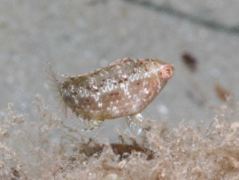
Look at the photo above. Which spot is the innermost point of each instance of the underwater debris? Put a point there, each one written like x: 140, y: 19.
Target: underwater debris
x: 124, y: 88
x: 124, y: 150
x: 93, y: 148
x: 222, y: 93
x: 179, y: 152
x: 190, y: 61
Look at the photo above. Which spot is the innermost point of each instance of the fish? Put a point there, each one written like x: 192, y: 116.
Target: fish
x: 123, y: 88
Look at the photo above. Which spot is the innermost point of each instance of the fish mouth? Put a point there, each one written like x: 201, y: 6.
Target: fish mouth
x: 166, y: 71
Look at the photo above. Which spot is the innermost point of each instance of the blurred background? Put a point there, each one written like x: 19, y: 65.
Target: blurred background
x: 201, y: 39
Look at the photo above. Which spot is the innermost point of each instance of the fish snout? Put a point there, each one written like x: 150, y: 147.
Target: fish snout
x: 166, y: 71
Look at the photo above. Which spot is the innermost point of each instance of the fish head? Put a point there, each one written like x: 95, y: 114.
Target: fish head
x: 166, y: 72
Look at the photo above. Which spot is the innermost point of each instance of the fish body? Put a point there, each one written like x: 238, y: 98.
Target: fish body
x: 123, y: 88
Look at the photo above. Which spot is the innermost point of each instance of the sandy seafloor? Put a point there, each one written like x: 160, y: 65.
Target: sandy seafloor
x: 78, y: 36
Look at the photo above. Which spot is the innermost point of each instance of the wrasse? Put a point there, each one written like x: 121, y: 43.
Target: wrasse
x: 124, y: 88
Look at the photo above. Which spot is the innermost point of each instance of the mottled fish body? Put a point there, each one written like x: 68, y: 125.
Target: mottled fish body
x: 121, y: 89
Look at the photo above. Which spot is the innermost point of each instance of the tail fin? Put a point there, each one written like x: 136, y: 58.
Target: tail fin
x: 53, y: 78
x: 55, y: 84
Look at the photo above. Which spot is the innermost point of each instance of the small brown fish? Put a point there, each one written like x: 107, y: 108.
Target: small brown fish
x: 121, y: 89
